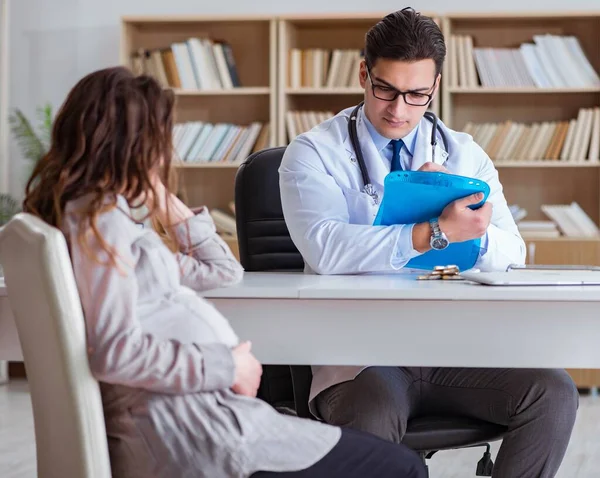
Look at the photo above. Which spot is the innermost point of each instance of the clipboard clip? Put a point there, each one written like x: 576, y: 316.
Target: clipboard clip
x: 545, y: 267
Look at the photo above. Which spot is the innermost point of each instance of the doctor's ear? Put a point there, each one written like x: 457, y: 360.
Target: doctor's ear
x: 436, y: 87
x: 362, y: 73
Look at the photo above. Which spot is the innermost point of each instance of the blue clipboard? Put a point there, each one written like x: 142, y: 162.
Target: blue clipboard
x: 418, y: 196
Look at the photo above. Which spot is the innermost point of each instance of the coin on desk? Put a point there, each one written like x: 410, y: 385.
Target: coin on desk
x: 429, y: 277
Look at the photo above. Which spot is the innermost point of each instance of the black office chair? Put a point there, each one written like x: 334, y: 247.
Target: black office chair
x: 265, y: 245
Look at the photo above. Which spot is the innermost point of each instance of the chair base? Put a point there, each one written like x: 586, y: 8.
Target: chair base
x: 485, y: 466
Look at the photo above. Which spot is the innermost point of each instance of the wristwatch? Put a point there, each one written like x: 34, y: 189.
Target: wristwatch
x: 438, y: 240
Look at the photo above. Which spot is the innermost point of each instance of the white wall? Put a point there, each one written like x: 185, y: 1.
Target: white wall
x: 55, y: 42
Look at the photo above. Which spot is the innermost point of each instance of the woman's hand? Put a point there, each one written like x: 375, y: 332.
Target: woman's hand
x: 160, y: 192
x: 248, y: 371
x: 178, y: 211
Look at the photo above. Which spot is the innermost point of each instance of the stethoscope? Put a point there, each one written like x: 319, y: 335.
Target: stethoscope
x: 353, y: 132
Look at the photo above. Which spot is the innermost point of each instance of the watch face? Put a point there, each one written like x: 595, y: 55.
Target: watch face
x: 439, y: 243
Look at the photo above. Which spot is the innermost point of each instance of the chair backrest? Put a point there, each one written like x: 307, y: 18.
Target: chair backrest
x: 70, y: 431
x: 264, y: 240
x: 265, y: 245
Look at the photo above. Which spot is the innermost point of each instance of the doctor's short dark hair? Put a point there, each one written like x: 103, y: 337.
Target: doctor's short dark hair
x: 405, y: 35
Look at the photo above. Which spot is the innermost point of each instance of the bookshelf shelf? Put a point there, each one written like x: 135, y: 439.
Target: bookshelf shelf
x: 257, y: 90
x: 324, y: 91
x: 545, y: 164
x: 563, y: 239
x: 491, y: 91
x: 180, y: 21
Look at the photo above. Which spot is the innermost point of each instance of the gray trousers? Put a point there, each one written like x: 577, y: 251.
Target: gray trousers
x: 537, y: 406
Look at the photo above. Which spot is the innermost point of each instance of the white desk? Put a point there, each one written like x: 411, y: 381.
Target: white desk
x: 293, y: 318
x: 392, y: 320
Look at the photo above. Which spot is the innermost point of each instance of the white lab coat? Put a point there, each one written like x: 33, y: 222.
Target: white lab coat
x: 330, y: 218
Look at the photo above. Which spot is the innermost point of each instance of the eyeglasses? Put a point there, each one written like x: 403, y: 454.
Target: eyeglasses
x: 389, y: 93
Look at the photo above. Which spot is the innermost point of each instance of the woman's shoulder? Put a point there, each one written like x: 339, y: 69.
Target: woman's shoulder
x: 115, y: 223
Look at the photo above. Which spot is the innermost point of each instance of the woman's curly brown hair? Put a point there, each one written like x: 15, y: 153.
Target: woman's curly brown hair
x: 112, y: 136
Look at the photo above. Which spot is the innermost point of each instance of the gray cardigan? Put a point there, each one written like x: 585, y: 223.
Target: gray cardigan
x: 162, y: 355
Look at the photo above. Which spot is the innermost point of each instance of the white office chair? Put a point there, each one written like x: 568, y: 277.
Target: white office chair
x: 70, y: 432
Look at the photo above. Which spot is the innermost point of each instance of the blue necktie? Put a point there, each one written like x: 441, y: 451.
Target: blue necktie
x: 396, y: 165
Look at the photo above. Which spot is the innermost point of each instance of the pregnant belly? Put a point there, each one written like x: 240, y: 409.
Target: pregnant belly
x: 187, y: 318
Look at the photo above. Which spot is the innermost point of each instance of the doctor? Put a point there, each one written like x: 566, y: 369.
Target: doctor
x: 329, y: 213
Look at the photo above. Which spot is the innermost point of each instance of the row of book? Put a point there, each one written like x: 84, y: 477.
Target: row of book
x: 298, y: 122
x: 198, y: 141
x: 564, y: 220
x: 196, y: 64
x: 225, y: 220
x: 552, y: 61
x: 575, y: 140
x: 318, y: 68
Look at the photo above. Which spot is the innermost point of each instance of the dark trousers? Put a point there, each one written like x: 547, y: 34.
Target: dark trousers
x: 360, y: 455
x: 537, y: 406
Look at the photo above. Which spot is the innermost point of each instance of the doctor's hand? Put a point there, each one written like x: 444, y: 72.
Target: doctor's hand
x: 248, y: 371
x: 433, y: 167
x: 461, y: 223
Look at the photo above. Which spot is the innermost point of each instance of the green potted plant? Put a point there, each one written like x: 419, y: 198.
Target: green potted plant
x: 34, y: 142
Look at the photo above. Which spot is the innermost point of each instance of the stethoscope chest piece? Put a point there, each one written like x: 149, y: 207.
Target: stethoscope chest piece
x: 371, y: 191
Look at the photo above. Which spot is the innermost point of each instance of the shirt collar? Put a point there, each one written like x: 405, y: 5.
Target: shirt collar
x: 381, y: 141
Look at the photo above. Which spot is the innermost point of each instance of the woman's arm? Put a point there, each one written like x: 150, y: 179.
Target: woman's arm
x: 119, y: 350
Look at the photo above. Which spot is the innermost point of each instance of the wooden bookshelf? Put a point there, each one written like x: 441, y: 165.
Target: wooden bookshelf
x: 327, y: 32
x: 261, y: 46
x: 531, y: 183
x: 253, y: 43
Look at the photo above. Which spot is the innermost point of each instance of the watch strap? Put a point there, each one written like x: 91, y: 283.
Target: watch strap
x: 435, y: 227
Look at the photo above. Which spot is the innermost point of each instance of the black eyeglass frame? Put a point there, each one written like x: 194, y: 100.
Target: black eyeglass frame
x: 426, y: 96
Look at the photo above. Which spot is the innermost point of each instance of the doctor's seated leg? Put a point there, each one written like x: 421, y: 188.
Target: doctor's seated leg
x: 379, y: 401
x: 537, y: 406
